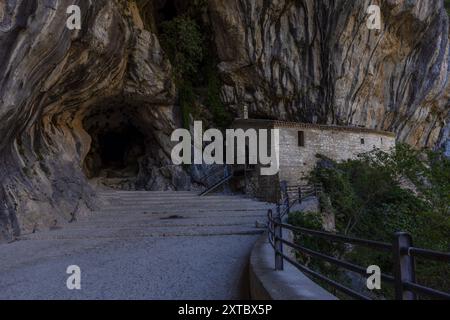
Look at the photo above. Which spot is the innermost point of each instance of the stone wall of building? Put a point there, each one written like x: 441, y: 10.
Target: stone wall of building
x: 297, y: 161
x: 337, y: 143
x: 264, y: 188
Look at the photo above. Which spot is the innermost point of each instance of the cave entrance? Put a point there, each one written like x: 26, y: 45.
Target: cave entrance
x: 120, y: 150
x: 129, y: 146
x: 118, y: 145
x: 168, y: 11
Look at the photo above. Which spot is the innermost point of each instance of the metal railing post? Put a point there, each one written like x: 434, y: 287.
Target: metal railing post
x: 287, y: 204
x: 283, y: 187
x: 300, y: 200
x: 404, y: 266
x: 279, y: 260
x: 226, y: 173
x: 270, y: 224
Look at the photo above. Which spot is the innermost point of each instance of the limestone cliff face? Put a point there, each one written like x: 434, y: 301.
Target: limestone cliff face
x: 65, y: 96
x: 317, y: 60
x: 55, y: 86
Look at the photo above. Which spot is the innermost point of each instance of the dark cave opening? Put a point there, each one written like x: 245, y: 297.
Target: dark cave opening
x: 168, y: 11
x: 120, y: 150
x: 126, y: 146
x: 118, y: 144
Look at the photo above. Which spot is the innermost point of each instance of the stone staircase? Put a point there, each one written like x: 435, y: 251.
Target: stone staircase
x: 141, y: 245
x: 135, y: 214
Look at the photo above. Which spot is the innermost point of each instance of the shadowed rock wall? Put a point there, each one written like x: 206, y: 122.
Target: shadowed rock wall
x: 305, y: 60
x: 314, y: 60
x: 51, y: 81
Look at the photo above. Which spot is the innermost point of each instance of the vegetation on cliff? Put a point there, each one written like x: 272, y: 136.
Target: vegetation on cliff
x: 187, y: 41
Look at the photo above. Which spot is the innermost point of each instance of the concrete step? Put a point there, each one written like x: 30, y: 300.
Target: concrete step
x: 186, y: 206
x: 183, y: 202
x: 109, y: 224
x: 148, y: 209
x: 159, y: 223
x: 188, y: 213
x: 179, y: 198
x: 163, y: 194
x: 149, y: 194
x: 169, y: 219
x: 149, y: 214
x: 196, y: 202
x: 146, y: 192
x: 137, y: 214
x: 147, y: 197
x: 132, y: 233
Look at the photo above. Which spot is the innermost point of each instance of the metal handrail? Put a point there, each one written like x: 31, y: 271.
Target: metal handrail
x: 347, y: 265
x: 216, y: 185
x: 224, y: 174
x: 427, y: 254
x: 404, y: 278
x: 323, y: 278
x: 382, y: 246
x: 204, y: 179
x: 314, y: 190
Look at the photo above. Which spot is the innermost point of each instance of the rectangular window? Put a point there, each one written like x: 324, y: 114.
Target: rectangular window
x: 363, y: 141
x: 301, y: 138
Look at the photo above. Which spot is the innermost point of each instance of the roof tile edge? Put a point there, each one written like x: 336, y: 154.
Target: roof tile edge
x: 287, y: 124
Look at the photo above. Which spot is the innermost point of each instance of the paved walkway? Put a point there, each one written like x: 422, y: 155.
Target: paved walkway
x: 141, y: 245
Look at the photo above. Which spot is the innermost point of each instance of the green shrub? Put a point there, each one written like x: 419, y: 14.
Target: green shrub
x: 191, y: 51
x: 187, y: 102
x: 371, y: 202
x: 213, y: 101
x: 183, y: 42
x: 313, y: 221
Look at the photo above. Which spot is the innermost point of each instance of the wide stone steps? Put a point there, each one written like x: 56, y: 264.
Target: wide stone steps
x: 155, y: 209
x: 142, y: 232
x: 140, y: 245
x: 140, y: 214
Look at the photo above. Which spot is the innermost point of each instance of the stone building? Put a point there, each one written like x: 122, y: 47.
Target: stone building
x: 300, y: 143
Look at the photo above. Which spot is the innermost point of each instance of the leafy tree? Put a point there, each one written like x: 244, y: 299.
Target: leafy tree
x: 183, y: 42
x: 192, y: 54
x: 381, y: 193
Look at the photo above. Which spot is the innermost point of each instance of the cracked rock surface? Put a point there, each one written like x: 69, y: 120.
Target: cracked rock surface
x: 318, y: 61
x: 63, y: 92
